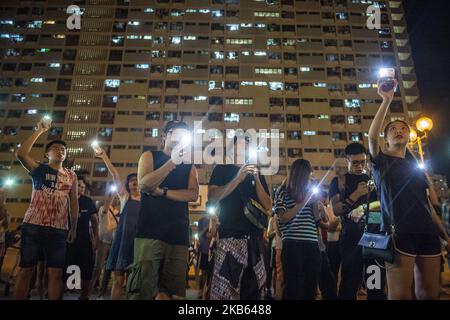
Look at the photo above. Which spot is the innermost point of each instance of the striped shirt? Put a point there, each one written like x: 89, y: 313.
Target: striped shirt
x: 49, y: 204
x: 302, y: 227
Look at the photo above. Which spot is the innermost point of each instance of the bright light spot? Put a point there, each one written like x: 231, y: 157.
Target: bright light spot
x: 196, y: 236
x: 9, y: 182
x: 421, y: 166
x: 113, y: 188
x: 315, y: 190
x: 211, y: 210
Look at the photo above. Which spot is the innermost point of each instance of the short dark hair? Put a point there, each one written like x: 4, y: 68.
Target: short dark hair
x: 175, y: 124
x: 355, y: 148
x: 51, y: 143
x: 82, y: 178
x: 386, y: 128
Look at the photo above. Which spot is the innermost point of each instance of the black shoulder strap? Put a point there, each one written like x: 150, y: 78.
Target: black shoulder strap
x: 114, y: 216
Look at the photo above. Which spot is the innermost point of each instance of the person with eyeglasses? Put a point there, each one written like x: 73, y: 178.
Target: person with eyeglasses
x: 346, y: 201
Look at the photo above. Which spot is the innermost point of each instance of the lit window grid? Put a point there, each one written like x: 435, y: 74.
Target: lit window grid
x: 163, y: 95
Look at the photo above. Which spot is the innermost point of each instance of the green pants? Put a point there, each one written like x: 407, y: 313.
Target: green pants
x: 158, y: 267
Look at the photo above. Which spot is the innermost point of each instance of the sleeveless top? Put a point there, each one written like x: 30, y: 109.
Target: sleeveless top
x: 161, y: 218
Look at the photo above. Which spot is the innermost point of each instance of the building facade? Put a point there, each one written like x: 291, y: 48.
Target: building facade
x: 305, y: 67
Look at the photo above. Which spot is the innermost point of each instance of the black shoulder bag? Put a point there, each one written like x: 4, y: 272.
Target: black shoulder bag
x: 378, y: 246
x: 254, y: 211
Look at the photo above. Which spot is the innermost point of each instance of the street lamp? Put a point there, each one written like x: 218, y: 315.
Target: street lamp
x: 423, y: 124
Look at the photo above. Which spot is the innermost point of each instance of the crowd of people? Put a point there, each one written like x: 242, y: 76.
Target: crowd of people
x: 301, y: 244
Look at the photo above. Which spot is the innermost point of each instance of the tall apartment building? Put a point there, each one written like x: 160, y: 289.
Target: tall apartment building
x: 306, y: 67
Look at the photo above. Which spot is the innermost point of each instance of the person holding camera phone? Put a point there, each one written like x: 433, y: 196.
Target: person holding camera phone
x: 347, y: 202
x: 162, y: 239
x: 406, y: 210
x: 51, y: 219
x: 298, y: 214
x: 239, y: 271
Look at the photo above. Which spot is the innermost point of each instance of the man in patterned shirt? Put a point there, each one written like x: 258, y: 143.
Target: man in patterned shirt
x: 46, y: 227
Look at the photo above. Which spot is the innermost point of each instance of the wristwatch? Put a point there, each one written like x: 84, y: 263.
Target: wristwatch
x: 165, y: 189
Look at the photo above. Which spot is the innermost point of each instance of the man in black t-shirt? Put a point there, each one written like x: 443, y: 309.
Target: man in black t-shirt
x: 82, y: 252
x: 239, y: 271
x: 347, y: 202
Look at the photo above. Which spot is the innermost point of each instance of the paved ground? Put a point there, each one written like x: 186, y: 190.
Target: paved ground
x: 192, y: 292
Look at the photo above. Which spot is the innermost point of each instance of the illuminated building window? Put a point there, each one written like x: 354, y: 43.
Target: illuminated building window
x: 173, y: 69
x: 276, y: 86
x: 232, y: 27
x: 134, y: 23
x: 305, y: 69
x: 270, y: 14
x: 309, y: 133
x: 37, y: 80
x: 232, y: 55
x: 142, y: 66
x: 260, y: 83
x: 37, y: 24
x: 352, y: 103
x: 148, y: 10
x: 200, y: 98
x: 320, y: 85
x: 217, y: 13
x: 6, y: 22
x: 218, y: 55
x: 175, y: 40
x: 231, y: 117
x: 245, y: 101
x: 260, y: 53
x: 268, y: 71
x: 112, y: 83
x: 239, y: 41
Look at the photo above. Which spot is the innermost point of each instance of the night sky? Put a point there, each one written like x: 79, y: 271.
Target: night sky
x: 429, y: 32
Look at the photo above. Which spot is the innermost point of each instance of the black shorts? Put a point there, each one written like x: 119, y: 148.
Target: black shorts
x: 39, y: 243
x: 203, y: 261
x: 410, y: 244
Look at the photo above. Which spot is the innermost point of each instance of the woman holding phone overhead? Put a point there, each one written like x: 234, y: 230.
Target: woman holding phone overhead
x: 122, y: 247
x: 405, y: 208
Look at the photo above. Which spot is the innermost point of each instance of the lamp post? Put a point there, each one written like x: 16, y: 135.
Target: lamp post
x: 423, y: 124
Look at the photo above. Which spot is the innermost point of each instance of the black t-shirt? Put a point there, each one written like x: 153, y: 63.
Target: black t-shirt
x: 402, y: 189
x: 233, y: 222
x: 86, y: 210
x: 161, y: 218
x: 349, y: 227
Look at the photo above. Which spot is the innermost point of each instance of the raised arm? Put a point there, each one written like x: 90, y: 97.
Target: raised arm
x: 23, y: 153
x: 148, y: 178
x: 115, y: 174
x: 377, y: 123
x: 263, y: 196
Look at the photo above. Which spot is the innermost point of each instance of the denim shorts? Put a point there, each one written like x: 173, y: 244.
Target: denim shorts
x: 39, y: 242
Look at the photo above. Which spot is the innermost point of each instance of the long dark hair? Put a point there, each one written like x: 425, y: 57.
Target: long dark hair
x: 298, y: 179
x: 127, y: 182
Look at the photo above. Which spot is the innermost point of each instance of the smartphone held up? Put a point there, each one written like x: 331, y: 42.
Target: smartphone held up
x: 387, y: 79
